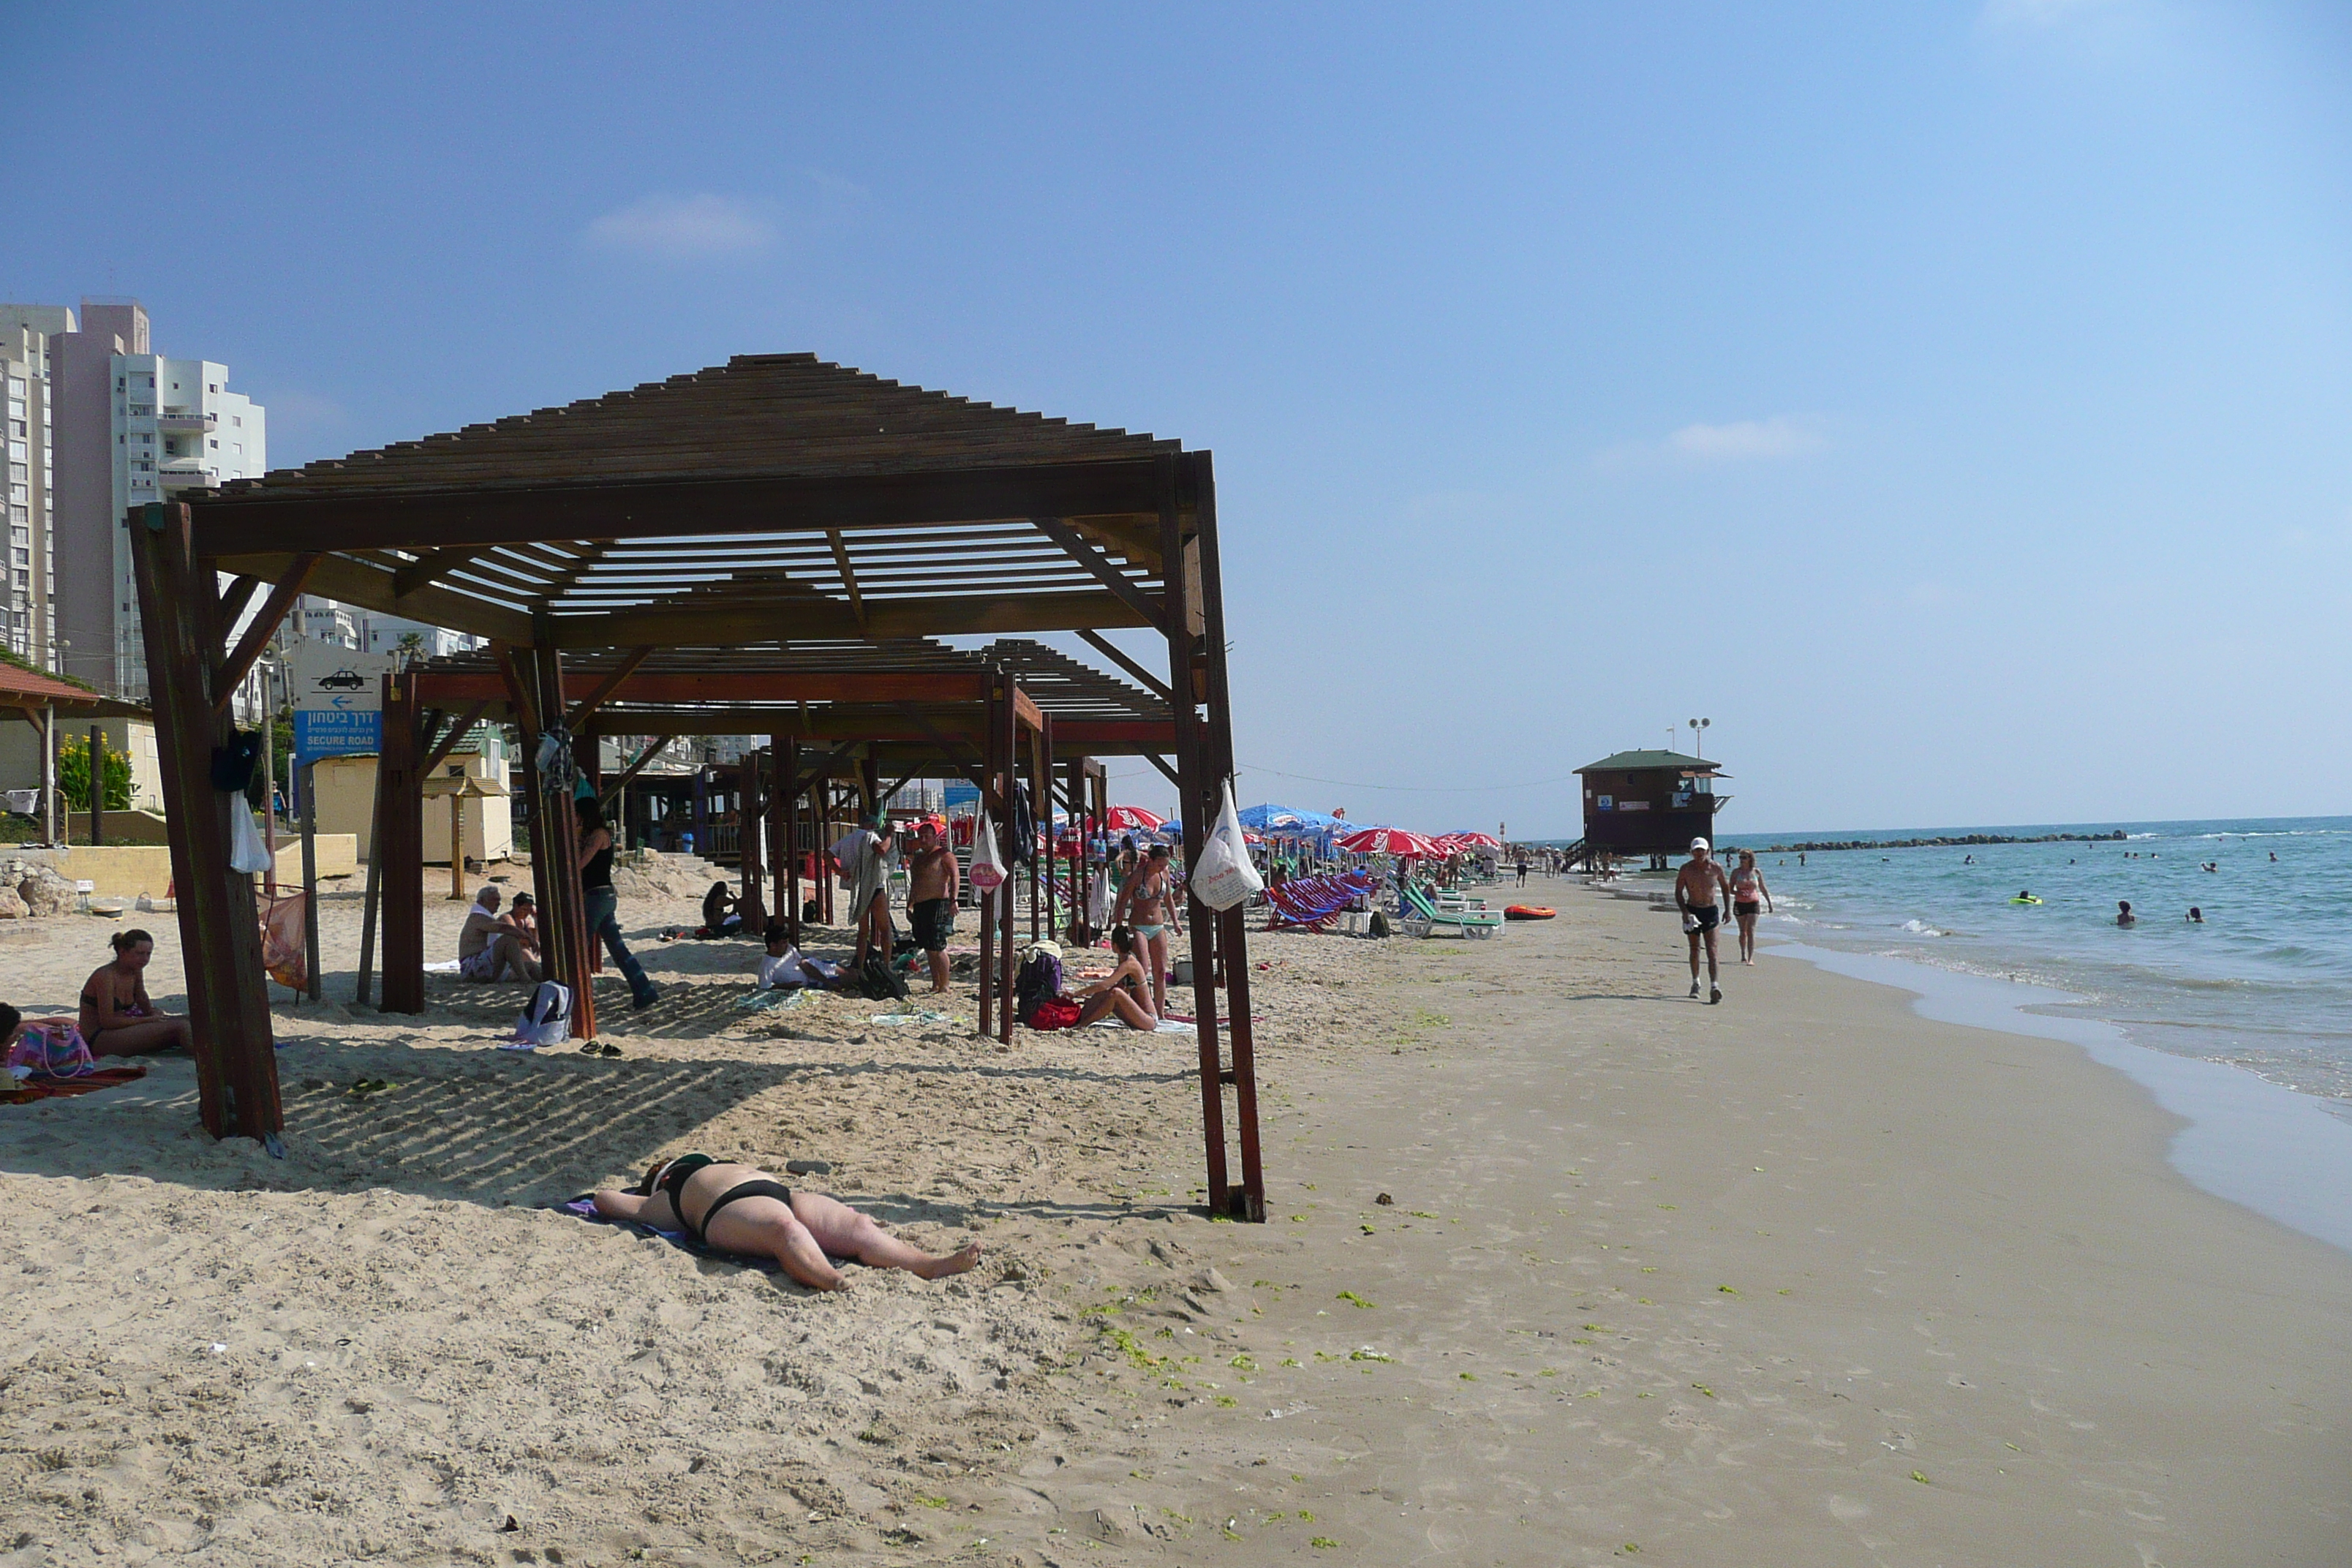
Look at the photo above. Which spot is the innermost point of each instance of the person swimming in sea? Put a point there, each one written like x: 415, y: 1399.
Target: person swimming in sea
x: 742, y: 1209
x: 2196, y: 916
x: 2124, y: 916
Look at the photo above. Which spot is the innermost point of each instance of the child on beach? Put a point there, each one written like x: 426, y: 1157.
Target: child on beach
x: 118, y: 1017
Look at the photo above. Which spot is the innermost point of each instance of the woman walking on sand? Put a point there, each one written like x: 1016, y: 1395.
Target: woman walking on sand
x: 604, y: 903
x: 1747, y: 889
x: 118, y: 1019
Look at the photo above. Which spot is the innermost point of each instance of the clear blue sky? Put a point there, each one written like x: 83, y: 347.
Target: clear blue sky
x: 1949, y: 401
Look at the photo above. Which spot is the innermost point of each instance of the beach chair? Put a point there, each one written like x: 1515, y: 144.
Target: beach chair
x: 1423, y: 917
x: 1314, y: 904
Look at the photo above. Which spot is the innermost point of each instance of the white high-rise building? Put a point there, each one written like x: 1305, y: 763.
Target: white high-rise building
x: 176, y: 427
x: 132, y: 425
x: 28, y: 579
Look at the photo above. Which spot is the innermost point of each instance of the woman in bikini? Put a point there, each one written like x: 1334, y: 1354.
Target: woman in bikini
x: 1748, y: 894
x: 743, y: 1209
x: 118, y: 1019
x: 1149, y: 903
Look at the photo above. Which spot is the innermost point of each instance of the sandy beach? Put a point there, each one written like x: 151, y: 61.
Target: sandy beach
x: 1801, y: 1278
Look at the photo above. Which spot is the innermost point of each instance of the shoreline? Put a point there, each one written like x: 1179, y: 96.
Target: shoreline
x: 2279, y: 1151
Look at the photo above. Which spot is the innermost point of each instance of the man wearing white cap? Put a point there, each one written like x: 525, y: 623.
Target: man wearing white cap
x: 1700, y: 893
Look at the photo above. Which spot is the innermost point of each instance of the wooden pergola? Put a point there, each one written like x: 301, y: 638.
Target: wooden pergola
x: 773, y: 502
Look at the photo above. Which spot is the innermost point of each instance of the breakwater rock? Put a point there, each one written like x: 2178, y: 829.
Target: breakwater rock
x: 1955, y: 841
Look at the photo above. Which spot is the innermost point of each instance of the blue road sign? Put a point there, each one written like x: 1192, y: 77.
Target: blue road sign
x: 335, y: 732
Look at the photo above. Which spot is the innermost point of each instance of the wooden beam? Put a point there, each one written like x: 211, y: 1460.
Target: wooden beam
x: 604, y: 689
x: 849, y: 578
x: 1083, y: 551
x: 369, y: 585
x: 232, y: 672
x: 612, y: 791
x: 1025, y: 711
x: 519, y: 693
x: 672, y: 687
x: 1117, y: 656
x: 240, y: 594
x: 457, y: 732
x: 431, y: 567
x: 220, y: 927
x: 792, y: 619
x: 1157, y: 761
x: 352, y: 519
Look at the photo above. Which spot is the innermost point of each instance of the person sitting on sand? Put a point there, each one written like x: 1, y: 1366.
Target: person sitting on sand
x: 2124, y: 916
x: 783, y: 968
x: 1125, y: 994
x: 12, y: 1028
x: 722, y: 911
x: 742, y: 1209
x: 118, y: 1017
x: 490, y: 947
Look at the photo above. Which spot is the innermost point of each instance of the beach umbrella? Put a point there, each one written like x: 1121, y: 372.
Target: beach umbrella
x: 1134, y: 819
x: 1476, y: 840
x: 1394, y: 841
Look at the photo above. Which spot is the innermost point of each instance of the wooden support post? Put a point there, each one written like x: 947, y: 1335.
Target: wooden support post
x: 458, y: 848
x: 98, y: 785
x: 788, y: 769
x: 1189, y: 795
x: 1233, y: 934
x: 49, y: 776
x: 750, y: 816
x: 700, y: 817
x: 374, y: 888
x: 567, y: 924
x: 220, y: 928
x: 783, y: 873
x: 1008, y: 769
x: 399, y: 845
x: 985, y: 898
x: 309, y: 879
x: 1042, y: 798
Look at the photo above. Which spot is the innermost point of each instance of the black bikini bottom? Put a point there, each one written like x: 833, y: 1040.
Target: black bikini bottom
x: 760, y: 1187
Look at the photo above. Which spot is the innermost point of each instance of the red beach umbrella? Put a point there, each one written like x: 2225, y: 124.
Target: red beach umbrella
x: 1134, y: 819
x: 1394, y: 841
x: 1476, y: 840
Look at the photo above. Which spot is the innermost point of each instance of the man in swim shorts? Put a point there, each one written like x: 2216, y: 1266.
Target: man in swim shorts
x: 932, y: 900
x: 1701, y: 890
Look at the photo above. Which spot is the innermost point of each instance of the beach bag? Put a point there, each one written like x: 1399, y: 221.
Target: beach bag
x: 547, y: 1021
x: 987, y: 866
x: 51, y: 1048
x: 1054, y: 1013
x: 247, y: 850
x: 233, y: 764
x: 878, y: 982
x: 1223, y: 877
x: 1040, y: 980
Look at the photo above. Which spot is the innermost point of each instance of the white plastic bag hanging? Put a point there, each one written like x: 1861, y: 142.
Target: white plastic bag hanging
x: 987, y: 859
x: 1223, y: 877
x: 246, y: 852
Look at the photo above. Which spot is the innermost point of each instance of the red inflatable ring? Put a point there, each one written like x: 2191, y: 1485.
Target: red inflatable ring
x: 1527, y: 912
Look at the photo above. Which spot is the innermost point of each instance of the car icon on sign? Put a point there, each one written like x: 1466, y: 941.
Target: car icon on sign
x: 343, y: 681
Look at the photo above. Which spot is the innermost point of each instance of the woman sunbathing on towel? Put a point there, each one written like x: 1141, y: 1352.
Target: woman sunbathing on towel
x: 118, y: 1017
x: 742, y: 1209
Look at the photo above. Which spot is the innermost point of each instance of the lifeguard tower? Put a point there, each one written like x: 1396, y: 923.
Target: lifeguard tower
x: 1647, y: 803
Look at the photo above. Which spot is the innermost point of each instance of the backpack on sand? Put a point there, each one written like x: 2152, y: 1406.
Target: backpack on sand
x: 548, y: 1020
x: 880, y: 982
x: 1039, y: 980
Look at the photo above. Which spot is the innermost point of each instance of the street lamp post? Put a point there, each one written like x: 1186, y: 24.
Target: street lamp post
x: 1698, y: 737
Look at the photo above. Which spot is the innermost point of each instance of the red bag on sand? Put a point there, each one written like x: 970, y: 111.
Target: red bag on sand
x: 1054, y: 1013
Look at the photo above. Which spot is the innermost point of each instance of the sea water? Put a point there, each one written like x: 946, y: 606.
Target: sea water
x: 2264, y: 984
